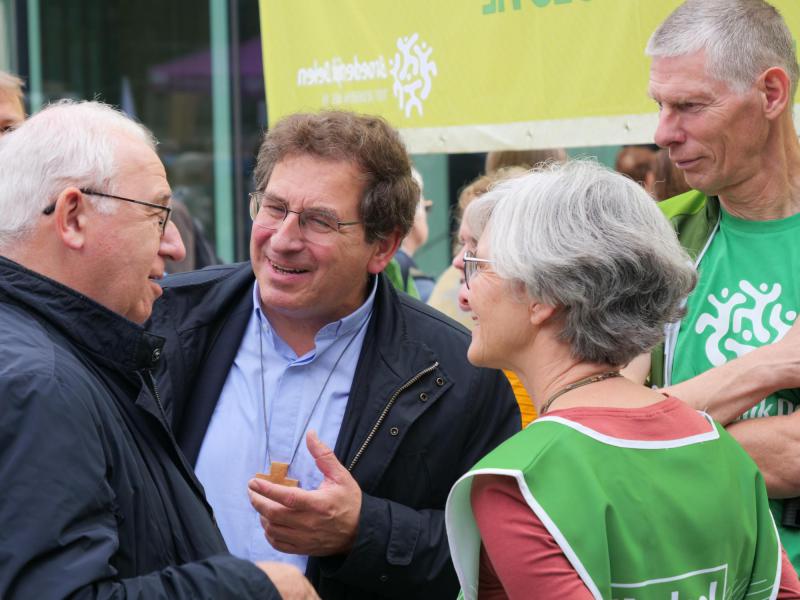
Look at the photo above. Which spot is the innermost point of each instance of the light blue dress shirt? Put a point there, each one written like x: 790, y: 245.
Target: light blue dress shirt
x: 236, y: 444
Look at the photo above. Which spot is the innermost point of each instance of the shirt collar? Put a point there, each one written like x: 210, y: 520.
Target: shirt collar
x: 342, y: 327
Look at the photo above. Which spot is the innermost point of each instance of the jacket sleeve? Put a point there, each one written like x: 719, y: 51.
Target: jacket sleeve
x: 58, y: 515
x: 222, y: 576
x: 401, y: 552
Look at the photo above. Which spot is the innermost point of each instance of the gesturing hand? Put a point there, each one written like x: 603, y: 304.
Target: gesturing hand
x: 317, y: 522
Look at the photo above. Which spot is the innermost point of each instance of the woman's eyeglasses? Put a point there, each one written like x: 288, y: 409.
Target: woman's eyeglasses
x: 472, y: 265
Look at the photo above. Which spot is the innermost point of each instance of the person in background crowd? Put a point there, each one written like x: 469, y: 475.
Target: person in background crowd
x: 191, y: 175
x: 616, y: 491
x: 12, y: 109
x: 724, y: 74
x: 527, y: 159
x: 98, y: 501
x: 309, y: 347
x: 199, y: 251
x: 415, y: 239
x: 457, y: 296
x: 445, y: 294
x: 638, y: 163
x: 669, y: 180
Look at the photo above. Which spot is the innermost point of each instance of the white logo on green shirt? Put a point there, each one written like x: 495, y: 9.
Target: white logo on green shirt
x: 747, y: 323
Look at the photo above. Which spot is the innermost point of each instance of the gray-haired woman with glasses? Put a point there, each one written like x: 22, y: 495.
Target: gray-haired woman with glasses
x: 616, y: 491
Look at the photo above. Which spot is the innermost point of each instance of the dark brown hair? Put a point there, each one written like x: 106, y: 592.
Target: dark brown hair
x: 637, y: 162
x: 390, y: 193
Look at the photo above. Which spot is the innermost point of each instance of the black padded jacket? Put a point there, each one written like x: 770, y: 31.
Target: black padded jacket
x: 97, y: 500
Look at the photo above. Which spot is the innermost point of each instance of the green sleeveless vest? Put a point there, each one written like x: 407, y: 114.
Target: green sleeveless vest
x: 680, y: 519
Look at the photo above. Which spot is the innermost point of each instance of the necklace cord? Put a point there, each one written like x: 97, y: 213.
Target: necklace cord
x: 316, y: 402
x: 580, y: 383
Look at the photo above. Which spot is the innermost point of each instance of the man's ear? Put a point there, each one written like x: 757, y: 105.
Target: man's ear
x: 540, y: 312
x: 70, y: 217
x: 383, y: 252
x: 776, y: 90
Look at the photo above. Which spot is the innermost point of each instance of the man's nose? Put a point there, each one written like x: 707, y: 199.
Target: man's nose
x: 289, y: 235
x: 171, y: 244
x: 668, y: 131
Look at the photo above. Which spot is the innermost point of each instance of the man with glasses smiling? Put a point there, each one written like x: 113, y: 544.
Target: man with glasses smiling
x: 309, y: 348
x: 97, y: 499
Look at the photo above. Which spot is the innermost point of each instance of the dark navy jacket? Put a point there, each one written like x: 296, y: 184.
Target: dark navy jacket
x: 96, y: 499
x: 419, y: 416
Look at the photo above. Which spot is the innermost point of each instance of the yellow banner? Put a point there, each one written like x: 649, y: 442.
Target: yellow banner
x: 472, y: 75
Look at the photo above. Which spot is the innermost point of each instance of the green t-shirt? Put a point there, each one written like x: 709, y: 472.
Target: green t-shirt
x: 747, y: 296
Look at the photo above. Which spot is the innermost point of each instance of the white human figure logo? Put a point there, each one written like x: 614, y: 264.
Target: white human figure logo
x: 748, y: 322
x: 719, y: 324
x: 412, y: 71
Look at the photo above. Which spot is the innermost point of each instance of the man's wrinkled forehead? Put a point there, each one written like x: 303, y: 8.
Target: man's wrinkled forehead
x: 356, y: 173
x: 682, y: 77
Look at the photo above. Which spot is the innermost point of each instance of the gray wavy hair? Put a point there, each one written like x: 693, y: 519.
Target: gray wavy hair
x: 593, y: 243
x: 742, y: 38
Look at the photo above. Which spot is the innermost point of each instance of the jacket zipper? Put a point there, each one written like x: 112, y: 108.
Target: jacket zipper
x: 386, y: 410
x: 171, y: 435
x: 154, y: 387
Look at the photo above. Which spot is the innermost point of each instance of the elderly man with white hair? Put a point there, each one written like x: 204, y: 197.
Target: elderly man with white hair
x: 724, y: 74
x: 98, y: 501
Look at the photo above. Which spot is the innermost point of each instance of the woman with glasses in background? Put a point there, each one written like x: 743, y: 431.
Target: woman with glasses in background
x: 453, y: 300
x: 615, y: 491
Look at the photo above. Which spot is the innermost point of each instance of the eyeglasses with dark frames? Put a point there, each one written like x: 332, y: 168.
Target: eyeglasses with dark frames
x: 316, y: 224
x: 162, y: 221
x: 472, y: 265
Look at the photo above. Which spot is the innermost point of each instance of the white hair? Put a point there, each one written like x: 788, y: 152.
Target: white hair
x: 741, y: 38
x: 593, y: 243
x: 68, y: 143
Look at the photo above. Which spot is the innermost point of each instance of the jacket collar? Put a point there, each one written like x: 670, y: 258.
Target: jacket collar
x: 105, y: 335
x: 695, y: 217
x: 389, y: 330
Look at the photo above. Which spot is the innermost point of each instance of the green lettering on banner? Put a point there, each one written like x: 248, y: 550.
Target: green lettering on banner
x: 498, y: 6
x: 494, y: 6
